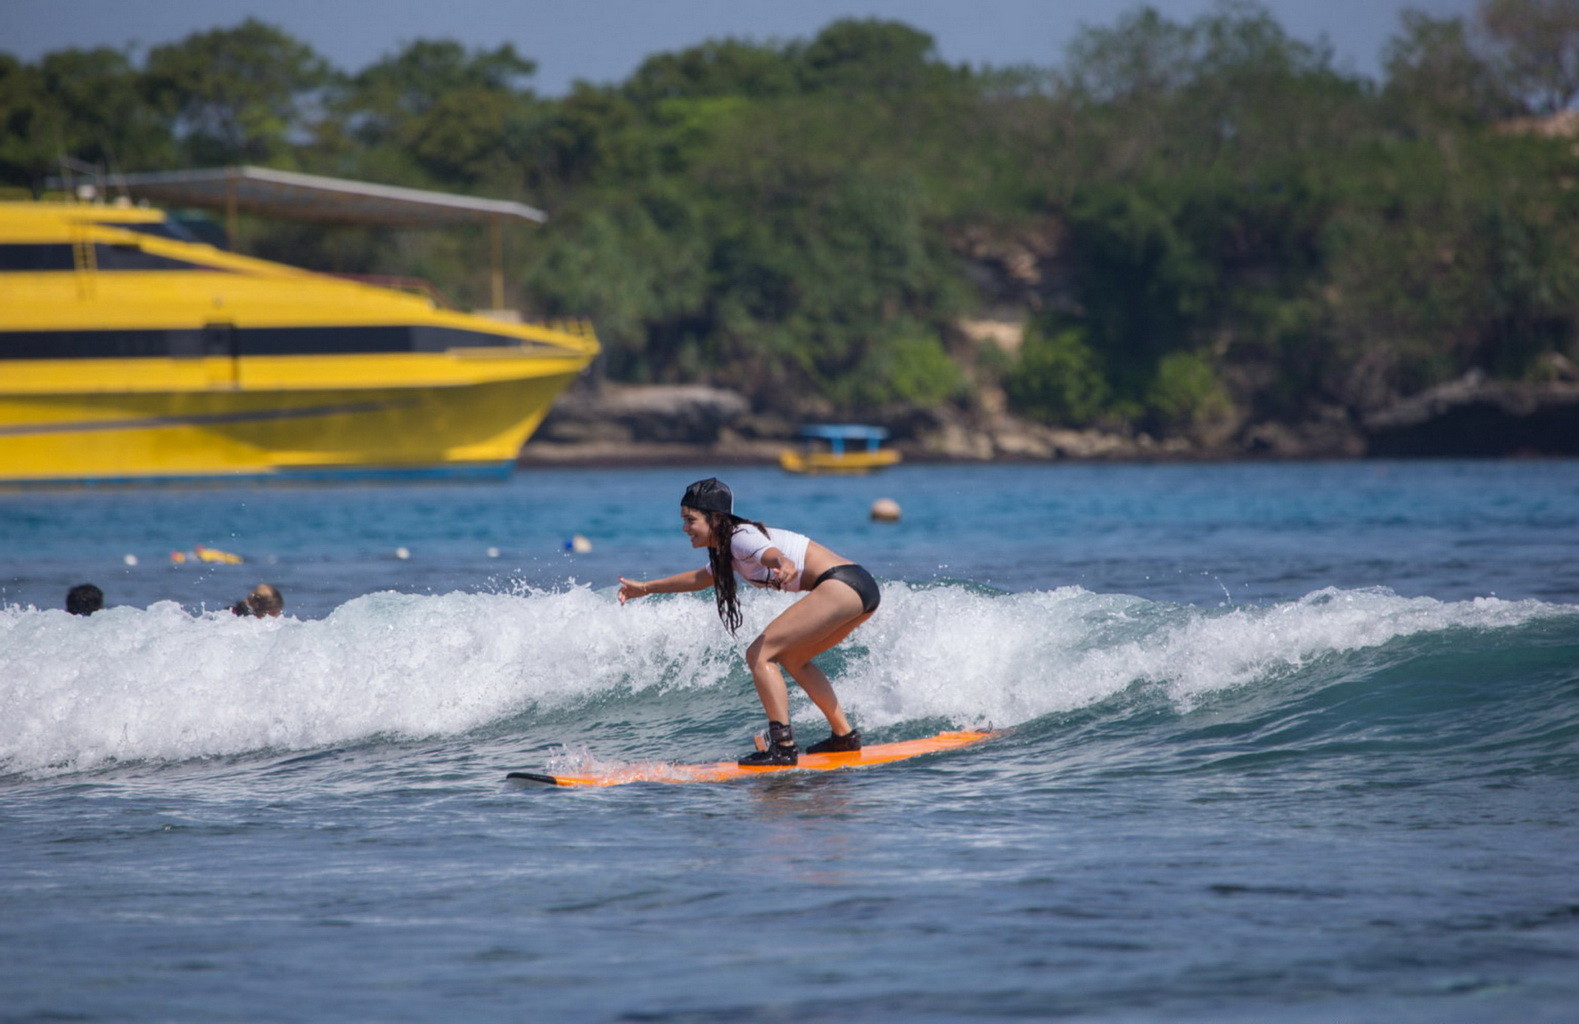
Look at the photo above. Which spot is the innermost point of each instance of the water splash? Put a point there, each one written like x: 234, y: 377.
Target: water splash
x: 163, y: 684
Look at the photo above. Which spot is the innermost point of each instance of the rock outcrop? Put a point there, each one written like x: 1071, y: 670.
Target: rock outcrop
x: 615, y: 424
x: 1479, y: 418
x: 619, y: 424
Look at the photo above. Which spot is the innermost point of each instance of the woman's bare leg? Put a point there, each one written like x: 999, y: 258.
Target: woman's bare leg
x: 798, y: 663
x: 803, y: 630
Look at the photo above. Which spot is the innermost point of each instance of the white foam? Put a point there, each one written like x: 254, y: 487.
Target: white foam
x: 997, y: 660
x: 161, y: 683
x: 129, y: 683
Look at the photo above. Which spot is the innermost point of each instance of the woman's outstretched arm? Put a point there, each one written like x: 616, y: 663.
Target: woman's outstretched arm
x: 679, y: 583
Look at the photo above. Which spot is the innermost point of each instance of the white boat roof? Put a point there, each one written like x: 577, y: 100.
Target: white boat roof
x: 311, y: 197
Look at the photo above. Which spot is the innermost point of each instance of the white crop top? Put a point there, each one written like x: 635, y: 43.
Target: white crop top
x: 748, y: 545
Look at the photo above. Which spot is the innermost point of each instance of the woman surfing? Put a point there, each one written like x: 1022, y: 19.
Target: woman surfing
x: 840, y: 595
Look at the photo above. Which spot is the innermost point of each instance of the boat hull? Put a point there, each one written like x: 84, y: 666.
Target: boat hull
x: 831, y: 462
x: 470, y: 424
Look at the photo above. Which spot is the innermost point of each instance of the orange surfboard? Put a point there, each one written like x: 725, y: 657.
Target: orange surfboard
x: 725, y: 771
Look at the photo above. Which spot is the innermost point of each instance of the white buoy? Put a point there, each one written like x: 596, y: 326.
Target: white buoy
x: 579, y: 544
x: 402, y: 554
x: 493, y: 552
x: 130, y: 559
x: 885, y: 510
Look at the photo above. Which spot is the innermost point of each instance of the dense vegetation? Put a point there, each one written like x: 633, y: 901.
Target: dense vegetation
x: 1202, y: 224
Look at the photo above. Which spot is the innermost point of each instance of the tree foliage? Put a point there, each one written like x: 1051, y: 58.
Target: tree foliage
x: 1206, y: 222
x: 236, y: 95
x: 1537, y: 43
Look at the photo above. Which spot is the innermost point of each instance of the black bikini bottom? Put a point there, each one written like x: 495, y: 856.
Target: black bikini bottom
x: 858, y: 580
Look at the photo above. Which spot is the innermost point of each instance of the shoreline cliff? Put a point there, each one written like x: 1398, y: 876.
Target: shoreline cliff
x: 630, y: 425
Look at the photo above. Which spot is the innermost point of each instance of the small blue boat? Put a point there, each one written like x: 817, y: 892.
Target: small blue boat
x: 839, y: 448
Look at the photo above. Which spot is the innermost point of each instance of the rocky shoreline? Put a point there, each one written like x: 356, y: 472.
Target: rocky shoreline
x: 626, y: 425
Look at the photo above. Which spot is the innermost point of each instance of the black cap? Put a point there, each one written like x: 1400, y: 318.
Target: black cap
x: 710, y: 495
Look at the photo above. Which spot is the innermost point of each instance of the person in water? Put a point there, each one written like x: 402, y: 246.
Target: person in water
x: 840, y: 595
x: 264, y: 601
x: 84, y: 599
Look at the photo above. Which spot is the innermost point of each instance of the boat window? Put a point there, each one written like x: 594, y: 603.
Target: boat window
x: 441, y: 339
x: 24, y: 257
x: 270, y: 341
x: 130, y: 257
x: 83, y: 344
x: 185, y: 344
x: 32, y: 258
x: 172, y: 229
x: 284, y: 341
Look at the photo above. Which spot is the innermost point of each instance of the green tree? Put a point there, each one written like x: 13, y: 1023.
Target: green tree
x: 1538, y: 42
x: 1058, y: 379
x: 1139, y: 61
x: 1186, y: 396
x: 25, y: 124
x: 237, y: 95
x: 1143, y: 284
x: 725, y: 67
x: 1447, y: 260
x: 871, y: 58
x: 637, y: 261
x: 907, y: 366
x: 76, y: 104
x: 1434, y: 71
x: 438, y: 113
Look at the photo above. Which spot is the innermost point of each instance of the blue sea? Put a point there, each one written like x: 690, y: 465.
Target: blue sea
x: 1280, y: 742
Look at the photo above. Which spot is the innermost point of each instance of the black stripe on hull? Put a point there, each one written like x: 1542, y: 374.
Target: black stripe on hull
x: 224, y: 340
x: 203, y: 420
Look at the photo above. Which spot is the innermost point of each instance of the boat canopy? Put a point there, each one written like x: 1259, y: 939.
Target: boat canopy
x: 838, y: 434
x: 311, y: 197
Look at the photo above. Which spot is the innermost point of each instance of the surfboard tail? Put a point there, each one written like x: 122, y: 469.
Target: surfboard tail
x: 534, y: 777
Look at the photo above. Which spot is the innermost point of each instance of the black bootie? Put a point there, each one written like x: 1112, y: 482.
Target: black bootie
x: 850, y: 741
x: 780, y: 748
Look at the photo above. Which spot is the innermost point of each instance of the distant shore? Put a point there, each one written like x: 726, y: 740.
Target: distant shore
x: 629, y: 425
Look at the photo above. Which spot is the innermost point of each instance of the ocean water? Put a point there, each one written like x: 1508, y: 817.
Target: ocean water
x: 1280, y: 742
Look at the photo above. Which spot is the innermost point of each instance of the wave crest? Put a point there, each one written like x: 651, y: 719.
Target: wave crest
x: 160, y: 683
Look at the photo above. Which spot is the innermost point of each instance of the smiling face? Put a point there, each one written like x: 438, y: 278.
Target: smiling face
x: 696, y: 527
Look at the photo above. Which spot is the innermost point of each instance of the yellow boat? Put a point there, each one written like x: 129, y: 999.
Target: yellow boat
x: 130, y: 351
x: 839, y: 448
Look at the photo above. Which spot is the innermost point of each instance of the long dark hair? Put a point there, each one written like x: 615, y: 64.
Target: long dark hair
x: 721, y: 562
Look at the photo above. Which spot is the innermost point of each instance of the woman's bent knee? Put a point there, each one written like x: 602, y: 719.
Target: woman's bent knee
x: 761, y: 652
x: 793, y: 665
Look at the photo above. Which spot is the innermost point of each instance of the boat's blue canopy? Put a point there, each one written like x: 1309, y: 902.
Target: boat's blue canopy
x: 839, y: 434
x: 844, y: 432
